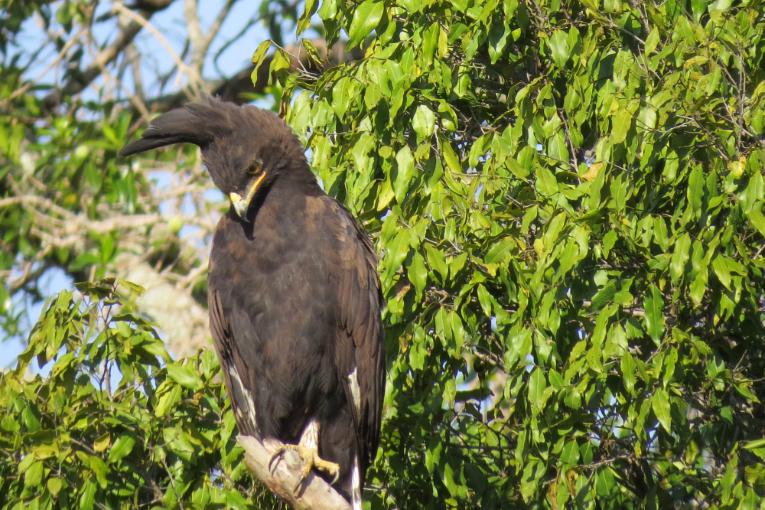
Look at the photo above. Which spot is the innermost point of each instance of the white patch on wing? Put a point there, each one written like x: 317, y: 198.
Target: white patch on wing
x: 235, y: 379
x: 356, y: 484
x: 310, y: 437
x: 355, y: 391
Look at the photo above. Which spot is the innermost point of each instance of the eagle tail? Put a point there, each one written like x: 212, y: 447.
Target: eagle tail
x: 356, y: 484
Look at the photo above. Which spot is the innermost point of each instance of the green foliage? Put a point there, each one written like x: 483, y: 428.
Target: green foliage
x: 67, y: 171
x: 66, y: 198
x: 568, y: 199
x: 115, y: 422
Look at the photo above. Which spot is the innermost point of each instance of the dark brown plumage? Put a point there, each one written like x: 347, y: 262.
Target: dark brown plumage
x: 293, y: 294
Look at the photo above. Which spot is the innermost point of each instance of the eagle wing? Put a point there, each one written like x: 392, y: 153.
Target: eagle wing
x: 236, y: 371
x: 359, y: 354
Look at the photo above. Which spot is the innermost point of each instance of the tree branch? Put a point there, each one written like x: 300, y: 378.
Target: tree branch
x: 79, y: 80
x: 200, y: 42
x: 195, y: 80
x: 168, y: 299
x: 234, y: 87
x: 316, y: 494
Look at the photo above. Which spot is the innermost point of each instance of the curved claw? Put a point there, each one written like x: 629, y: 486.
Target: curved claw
x: 311, y: 460
x: 275, y: 457
x: 335, y: 477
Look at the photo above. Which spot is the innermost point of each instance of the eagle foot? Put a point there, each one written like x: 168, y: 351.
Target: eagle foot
x: 311, y: 460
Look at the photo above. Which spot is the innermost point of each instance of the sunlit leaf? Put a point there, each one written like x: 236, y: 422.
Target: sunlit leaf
x: 366, y: 17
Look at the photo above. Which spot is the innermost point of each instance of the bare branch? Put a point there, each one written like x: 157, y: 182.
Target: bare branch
x: 61, y: 54
x: 167, y: 300
x: 233, y: 87
x: 216, y: 24
x: 195, y: 80
x: 80, y: 80
x: 195, y: 34
x: 284, y: 474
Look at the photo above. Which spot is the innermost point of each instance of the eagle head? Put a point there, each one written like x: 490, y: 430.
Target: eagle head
x: 245, y: 149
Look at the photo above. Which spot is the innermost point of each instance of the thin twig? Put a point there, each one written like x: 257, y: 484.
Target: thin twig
x: 195, y: 80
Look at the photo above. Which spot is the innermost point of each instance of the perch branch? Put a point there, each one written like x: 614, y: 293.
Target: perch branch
x: 284, y: 474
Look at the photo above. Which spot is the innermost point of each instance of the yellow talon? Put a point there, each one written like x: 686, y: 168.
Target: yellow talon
x: 311, y: 459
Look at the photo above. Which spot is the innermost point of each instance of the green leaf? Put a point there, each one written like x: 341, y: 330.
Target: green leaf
x: 169, y: 396
x: 418, y: 273
x: 646, y: 120
x: 102, y: 443
x: 757, y: 447
x: 437, y: 261
x: 661, y: 408
x: 424, y: 122
x: 680, y: 257
x: 603, y: 296
x: 547, y: 184
x: 620, y: 125
x: 30, y: 419
x: 366, y: 17
x: 497, y: 42
x: 605, y: 482
x: 570, y: 453
x: 258, y: 58
x: 699, y: 286
x: 305, y: 19
x: 628, y: 372
x: 558, y: 44
x: 654, y: 314
x: 499, y: 251
x: 757, y: 219
x: 121, y: 448
x: 485, y: 300
x: 404, y: 173
x: 721, y: 267
x: 652, y: 41
x: 54, y: 486
x: 184, y: 376
x: 458, y: 334
x: 313, y: 52
x: 537, y: 385
x: 33, y: 474
x: 87, y: 495
x: 451, y: 160
x: 696, y: 188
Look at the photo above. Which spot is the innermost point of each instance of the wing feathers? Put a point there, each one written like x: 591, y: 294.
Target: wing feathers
x: 359, y: 305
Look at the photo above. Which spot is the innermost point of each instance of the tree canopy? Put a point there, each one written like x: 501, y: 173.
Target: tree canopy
x: 567, y: 199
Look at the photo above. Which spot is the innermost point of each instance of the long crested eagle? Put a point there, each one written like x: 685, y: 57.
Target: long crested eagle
x: 293, y: 294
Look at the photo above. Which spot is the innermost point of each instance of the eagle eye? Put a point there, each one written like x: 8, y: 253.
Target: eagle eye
x: 255, y: 167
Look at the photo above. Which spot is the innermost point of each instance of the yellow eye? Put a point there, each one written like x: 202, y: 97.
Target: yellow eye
x: 255, y: 167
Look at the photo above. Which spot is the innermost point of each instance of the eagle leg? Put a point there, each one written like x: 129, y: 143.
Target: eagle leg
x: 308, y: 451
x: 311, y: 460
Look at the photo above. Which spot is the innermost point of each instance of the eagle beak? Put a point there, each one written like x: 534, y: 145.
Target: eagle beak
x: 242, y: 205
x: 239, y: 204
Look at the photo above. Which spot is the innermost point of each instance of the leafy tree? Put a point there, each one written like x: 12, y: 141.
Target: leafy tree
x: 568, y: 202
x: 116, y: 422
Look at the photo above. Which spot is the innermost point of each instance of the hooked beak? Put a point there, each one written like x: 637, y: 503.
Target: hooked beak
x: 242, y: 204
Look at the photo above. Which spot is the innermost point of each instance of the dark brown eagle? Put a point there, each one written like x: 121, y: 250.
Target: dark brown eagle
x: 293, y: 293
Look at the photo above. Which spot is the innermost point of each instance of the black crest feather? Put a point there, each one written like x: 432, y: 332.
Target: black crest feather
x: 197, y: 123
